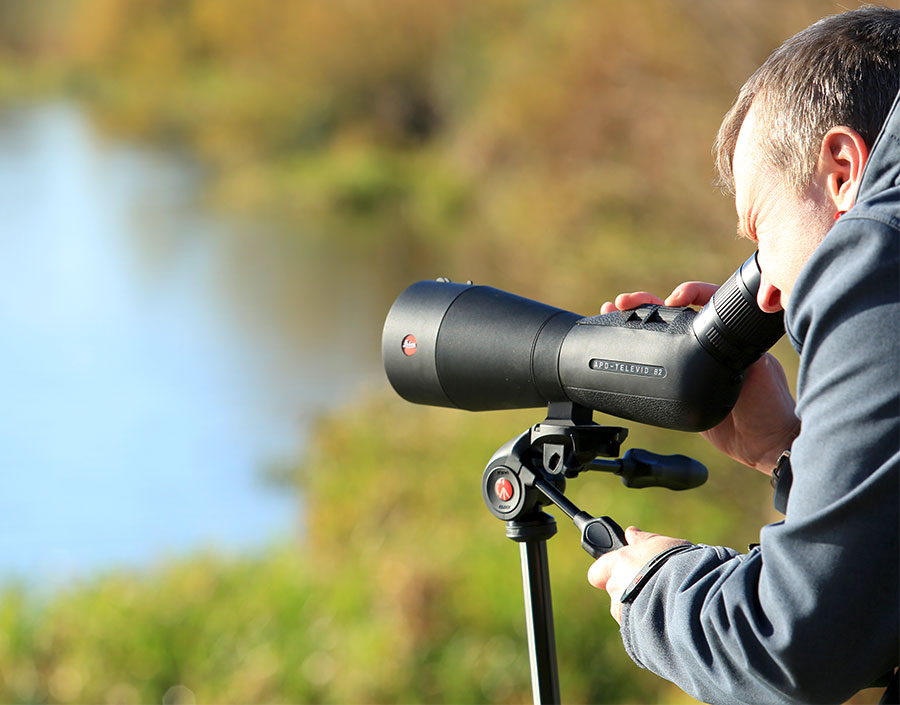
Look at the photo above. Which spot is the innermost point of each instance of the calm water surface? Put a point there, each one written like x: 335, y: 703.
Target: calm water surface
x: 153, y: 359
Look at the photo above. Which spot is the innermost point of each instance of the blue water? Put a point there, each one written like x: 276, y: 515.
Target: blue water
x: 147, y: 372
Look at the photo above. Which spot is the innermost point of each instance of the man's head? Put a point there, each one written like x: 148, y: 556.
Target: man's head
x: 793, y: 146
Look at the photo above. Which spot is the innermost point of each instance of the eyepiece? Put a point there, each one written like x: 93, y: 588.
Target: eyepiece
x: 732, y: 327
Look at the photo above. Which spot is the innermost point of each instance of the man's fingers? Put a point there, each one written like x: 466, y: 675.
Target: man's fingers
x: 691, y: 294
x: 635, y: 299
x: 686, y: 294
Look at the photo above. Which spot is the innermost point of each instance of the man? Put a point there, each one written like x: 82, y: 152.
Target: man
x: 812, y: 614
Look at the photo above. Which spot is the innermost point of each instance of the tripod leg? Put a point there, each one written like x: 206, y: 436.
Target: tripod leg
x: 539, y: 622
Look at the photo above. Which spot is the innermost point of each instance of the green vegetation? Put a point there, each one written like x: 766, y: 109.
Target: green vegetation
x: 560, y: 150
x: 405, y: 588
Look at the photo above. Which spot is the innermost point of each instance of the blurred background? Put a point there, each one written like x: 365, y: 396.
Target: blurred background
x: 209, y: 493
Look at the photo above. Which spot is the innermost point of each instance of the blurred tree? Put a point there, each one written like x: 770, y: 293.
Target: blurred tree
x: 525, y: 143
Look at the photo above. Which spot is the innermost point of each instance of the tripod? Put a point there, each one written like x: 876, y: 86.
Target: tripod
x: 529, y: 472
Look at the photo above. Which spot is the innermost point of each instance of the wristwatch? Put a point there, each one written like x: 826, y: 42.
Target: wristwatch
x: 784, y: 460
x: 782, y: 479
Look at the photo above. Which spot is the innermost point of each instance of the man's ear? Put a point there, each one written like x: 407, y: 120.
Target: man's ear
x: 842, y: 156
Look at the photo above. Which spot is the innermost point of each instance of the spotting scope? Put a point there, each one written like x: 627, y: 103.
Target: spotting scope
x: 479, y: 348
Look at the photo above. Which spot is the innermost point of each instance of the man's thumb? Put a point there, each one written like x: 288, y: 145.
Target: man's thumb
x: 600, y: 571
x: 634, y: 535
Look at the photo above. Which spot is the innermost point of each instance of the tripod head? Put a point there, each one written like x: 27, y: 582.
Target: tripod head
x: 529, y: 472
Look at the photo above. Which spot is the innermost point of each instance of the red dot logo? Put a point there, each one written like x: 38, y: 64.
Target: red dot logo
x: 409, y: 345
x: 503, y: 489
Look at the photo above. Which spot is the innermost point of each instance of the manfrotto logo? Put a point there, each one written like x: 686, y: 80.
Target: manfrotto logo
x: 627, y: 368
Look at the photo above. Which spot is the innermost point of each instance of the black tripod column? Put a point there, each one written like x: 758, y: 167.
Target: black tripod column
x: 532, y: 535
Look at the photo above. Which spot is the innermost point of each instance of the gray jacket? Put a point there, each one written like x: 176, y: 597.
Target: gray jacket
x: 813, y: 613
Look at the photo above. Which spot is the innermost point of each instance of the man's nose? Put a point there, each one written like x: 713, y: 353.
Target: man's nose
x: 768, y: 298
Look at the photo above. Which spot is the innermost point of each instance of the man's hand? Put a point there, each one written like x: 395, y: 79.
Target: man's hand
x: 614, y: 571
x: 762, y: 423
x: 686, y: 294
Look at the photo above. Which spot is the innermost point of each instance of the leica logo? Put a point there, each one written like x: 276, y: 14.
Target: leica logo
x: 409, y: 345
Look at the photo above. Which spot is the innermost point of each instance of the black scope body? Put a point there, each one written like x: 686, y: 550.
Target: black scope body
x: 479, y: 348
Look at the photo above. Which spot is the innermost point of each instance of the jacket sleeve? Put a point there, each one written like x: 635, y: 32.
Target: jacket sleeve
x: 811, y: 615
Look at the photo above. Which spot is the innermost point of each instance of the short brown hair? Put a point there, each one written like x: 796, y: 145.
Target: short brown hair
x: 842, y: 70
